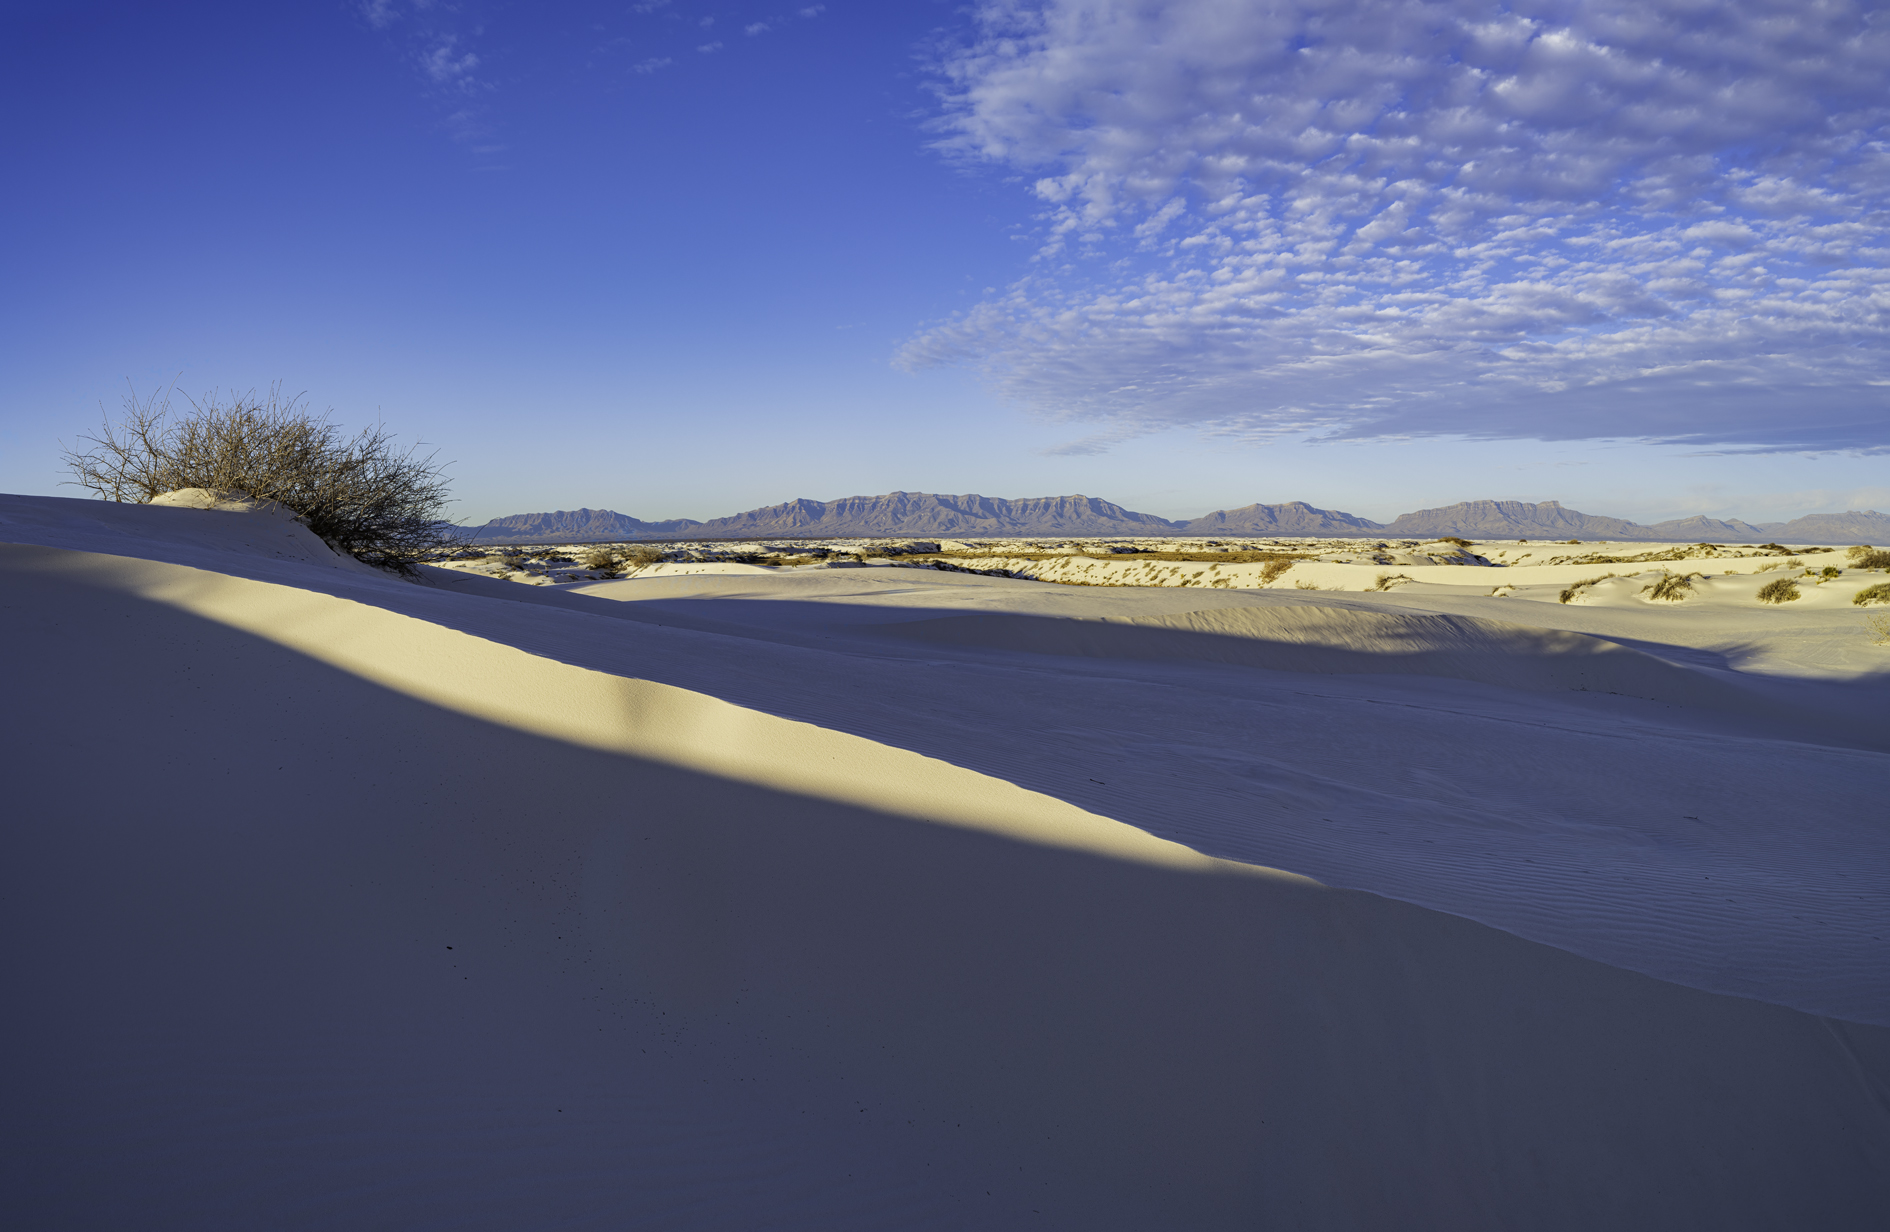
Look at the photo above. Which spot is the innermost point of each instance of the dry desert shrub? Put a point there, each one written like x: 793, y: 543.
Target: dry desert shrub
x: 1225, y: 556
x: 1879, y: 626
x: 1880, y: 593
x: 1569, y: 595
x: 1303, y: 584
x: 1692, y: 552
x: 1671, y: 587
x: 616, y: 561
x: 607, y: 561
x: 1273, y: 570
x: 362, y: 494
x: 1782, y: 590
x: 1388, y: 580
x: 1870, y: 559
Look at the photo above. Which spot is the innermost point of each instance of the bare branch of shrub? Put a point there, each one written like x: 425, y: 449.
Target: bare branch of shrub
x: 361, y: 494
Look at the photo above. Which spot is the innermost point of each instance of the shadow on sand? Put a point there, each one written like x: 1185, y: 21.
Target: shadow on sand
x: 233, y: 875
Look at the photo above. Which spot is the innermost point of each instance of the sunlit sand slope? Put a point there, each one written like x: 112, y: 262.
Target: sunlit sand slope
x: 324, y: 915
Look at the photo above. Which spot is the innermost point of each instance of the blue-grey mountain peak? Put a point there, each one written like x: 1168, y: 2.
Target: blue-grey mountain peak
x: 933, y: 514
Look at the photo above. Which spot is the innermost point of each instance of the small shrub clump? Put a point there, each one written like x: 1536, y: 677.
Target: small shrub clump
x: 363, y: 495
x: 606, y: 561
x: 625, y: 559
x: 1880, y: 593
x: 1782, y: 590
x: 1671, y: 587
x: 1569, y: 594
x: 1869, y: 559
x: 1273, y: 570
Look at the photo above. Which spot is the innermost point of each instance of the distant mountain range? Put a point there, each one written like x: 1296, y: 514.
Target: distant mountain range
x: 1549, y: 520
x: 931, y: 515
x: 579, y: 526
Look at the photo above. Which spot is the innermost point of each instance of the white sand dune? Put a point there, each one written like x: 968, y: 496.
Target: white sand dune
x: 769, y: 905
x: 1621, y: 573
x: 1325, y: 639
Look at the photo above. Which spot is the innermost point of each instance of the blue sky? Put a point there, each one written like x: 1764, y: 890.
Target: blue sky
x: 681, y: 259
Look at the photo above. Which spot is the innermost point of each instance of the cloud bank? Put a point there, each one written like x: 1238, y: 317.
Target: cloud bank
x: 1656, y: 219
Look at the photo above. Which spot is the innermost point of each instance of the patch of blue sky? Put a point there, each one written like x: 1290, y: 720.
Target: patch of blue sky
x: 602, y: 267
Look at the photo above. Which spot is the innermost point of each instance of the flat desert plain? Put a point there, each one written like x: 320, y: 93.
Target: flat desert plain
x: 727, y: 896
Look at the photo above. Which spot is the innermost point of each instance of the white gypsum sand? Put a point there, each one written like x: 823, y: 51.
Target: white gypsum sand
x: 879, y: 897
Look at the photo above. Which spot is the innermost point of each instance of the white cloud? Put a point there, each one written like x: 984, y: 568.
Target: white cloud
x: 652, y: 64
x: 436, y: 39
x: 379, y: 13
x: 706, y: 48
x: 445, y: 64
x: 813, y: 10
x: 1727, y: 501
x: 758, y: 27
x: 1656, y: 219
x: 1095, y: 443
